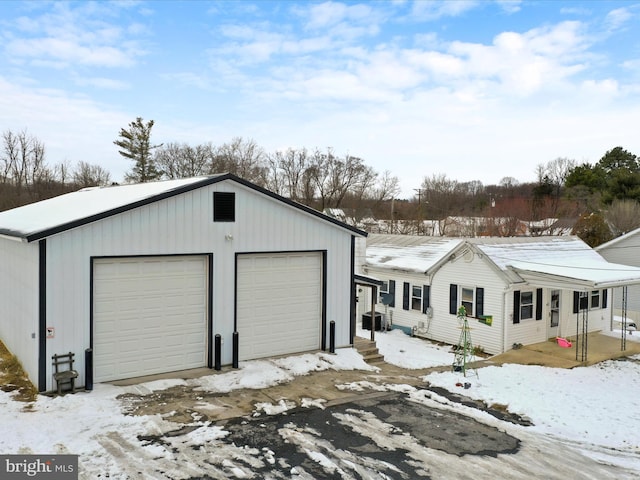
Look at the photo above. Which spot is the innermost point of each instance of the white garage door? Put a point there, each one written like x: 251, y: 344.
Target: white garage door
x: 279, y: 303
x: 149, y: 315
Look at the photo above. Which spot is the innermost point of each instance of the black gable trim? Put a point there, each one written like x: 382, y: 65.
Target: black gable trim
x: 187, y: 188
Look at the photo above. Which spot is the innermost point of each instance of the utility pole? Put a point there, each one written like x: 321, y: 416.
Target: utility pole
x: 420, y: 219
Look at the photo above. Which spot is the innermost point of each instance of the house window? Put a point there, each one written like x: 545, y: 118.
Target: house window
x: 526, y: 305
x: 467, y: 300
x: 595, y: 299
x: 523, y: 305
x: 416, y: 298
x: 224, y: 207
x: 388, y: 293
x: 471, y: 298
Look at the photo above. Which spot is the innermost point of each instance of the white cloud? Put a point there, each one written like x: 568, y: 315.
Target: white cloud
x: 615, y: 19
x: 331, y: 14
x: 436, y: 9
x: 74, y: 34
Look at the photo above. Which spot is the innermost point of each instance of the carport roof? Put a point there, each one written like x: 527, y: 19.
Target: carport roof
x: 48, y: 217
x: 590, y: 275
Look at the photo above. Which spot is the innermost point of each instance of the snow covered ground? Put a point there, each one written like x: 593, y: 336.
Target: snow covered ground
x: 595, y: 410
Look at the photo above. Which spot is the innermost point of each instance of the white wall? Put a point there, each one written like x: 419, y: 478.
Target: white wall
x: 443, y: 326
x: 184, y: 225
x: 626, y: 251
x: 469, y: 271
x: 19, y: 302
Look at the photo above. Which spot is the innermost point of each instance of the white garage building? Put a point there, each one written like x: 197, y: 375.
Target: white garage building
x: 142, y: 278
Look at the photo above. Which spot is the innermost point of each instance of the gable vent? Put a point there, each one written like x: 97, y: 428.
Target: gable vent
x: 224, y: 207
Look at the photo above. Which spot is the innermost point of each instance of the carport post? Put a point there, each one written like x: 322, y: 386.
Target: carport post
x: 218, y: 352
x: 236, y: 344
x: 332, y: 336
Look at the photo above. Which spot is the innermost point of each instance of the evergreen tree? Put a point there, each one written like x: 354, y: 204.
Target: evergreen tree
x: 135, y: 144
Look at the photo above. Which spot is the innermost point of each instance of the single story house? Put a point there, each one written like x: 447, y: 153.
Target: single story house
x: 149, y: 278
x: 519, y: 290
x: 625, y: 249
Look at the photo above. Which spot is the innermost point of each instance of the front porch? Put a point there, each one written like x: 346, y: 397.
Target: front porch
x: 599, y: 347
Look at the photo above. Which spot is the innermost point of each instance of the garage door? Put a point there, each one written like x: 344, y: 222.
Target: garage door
x: 149, y: 315
x: 279, y: 303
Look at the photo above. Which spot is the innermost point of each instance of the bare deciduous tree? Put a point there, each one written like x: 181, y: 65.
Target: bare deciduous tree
x: 243, y: 158
x: 623, y: 216
x: 87, y: 175
x: 287, y: 173
x: 179, y: 160
x: 23, y: 161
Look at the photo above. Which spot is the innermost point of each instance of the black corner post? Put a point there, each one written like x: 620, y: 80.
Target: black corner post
x: 218, y: 352
x: 332, y: 336
x: 88, y: 369
x: 236, y: 353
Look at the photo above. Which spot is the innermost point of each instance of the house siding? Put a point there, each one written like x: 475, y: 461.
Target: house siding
x: 470, y: 271
x: 625, y: 251
x: 440, y: 325
x: 184, y: 224
x: 19, y: 302
x: 535, y: 331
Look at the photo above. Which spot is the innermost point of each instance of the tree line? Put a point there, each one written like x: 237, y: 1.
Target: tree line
x: 604, y: 194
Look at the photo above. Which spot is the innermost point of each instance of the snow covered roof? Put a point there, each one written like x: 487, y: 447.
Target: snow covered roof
x: 48, y: 217
x: 65, y: 210
x: 561, y: 262
x: 590, y: 275
x: 412, y: 253
x: 503, y: 251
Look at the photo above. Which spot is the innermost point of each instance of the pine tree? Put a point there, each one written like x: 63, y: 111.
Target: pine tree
x: 135, y: 144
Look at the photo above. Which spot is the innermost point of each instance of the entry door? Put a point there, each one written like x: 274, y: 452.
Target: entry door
x: 555, y: 313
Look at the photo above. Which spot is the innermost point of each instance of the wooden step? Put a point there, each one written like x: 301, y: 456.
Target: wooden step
x: 368, y: 350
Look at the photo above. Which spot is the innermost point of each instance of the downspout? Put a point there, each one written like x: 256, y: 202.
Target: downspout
x: 504, y: 320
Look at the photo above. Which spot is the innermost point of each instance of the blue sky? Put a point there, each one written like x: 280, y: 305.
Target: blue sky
x: 475, y: 90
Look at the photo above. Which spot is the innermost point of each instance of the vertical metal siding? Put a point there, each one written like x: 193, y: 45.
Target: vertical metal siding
x: 19, y: 327
x: 184, y: 224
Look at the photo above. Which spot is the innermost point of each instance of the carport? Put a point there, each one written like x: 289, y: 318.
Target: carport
x: 582, y: 278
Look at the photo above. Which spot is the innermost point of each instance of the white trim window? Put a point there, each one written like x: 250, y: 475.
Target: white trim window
x: 526, y: 305
x: 416, y: 297
x: 595, y: 299
x: 467, y: 295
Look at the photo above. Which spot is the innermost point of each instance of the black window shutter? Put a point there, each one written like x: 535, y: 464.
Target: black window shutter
x: 479, y: 301
x: 604, y: 298
x: 576, y: 301
x: 516, y: 306
x: 392, y: 292
x: 539, y: 304
x: 426, y: 300
x: 453, y: 299
x: 405, y: 296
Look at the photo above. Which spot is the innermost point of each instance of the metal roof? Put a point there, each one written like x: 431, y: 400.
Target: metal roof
x: 553, y: 261
x: 48, y: 217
